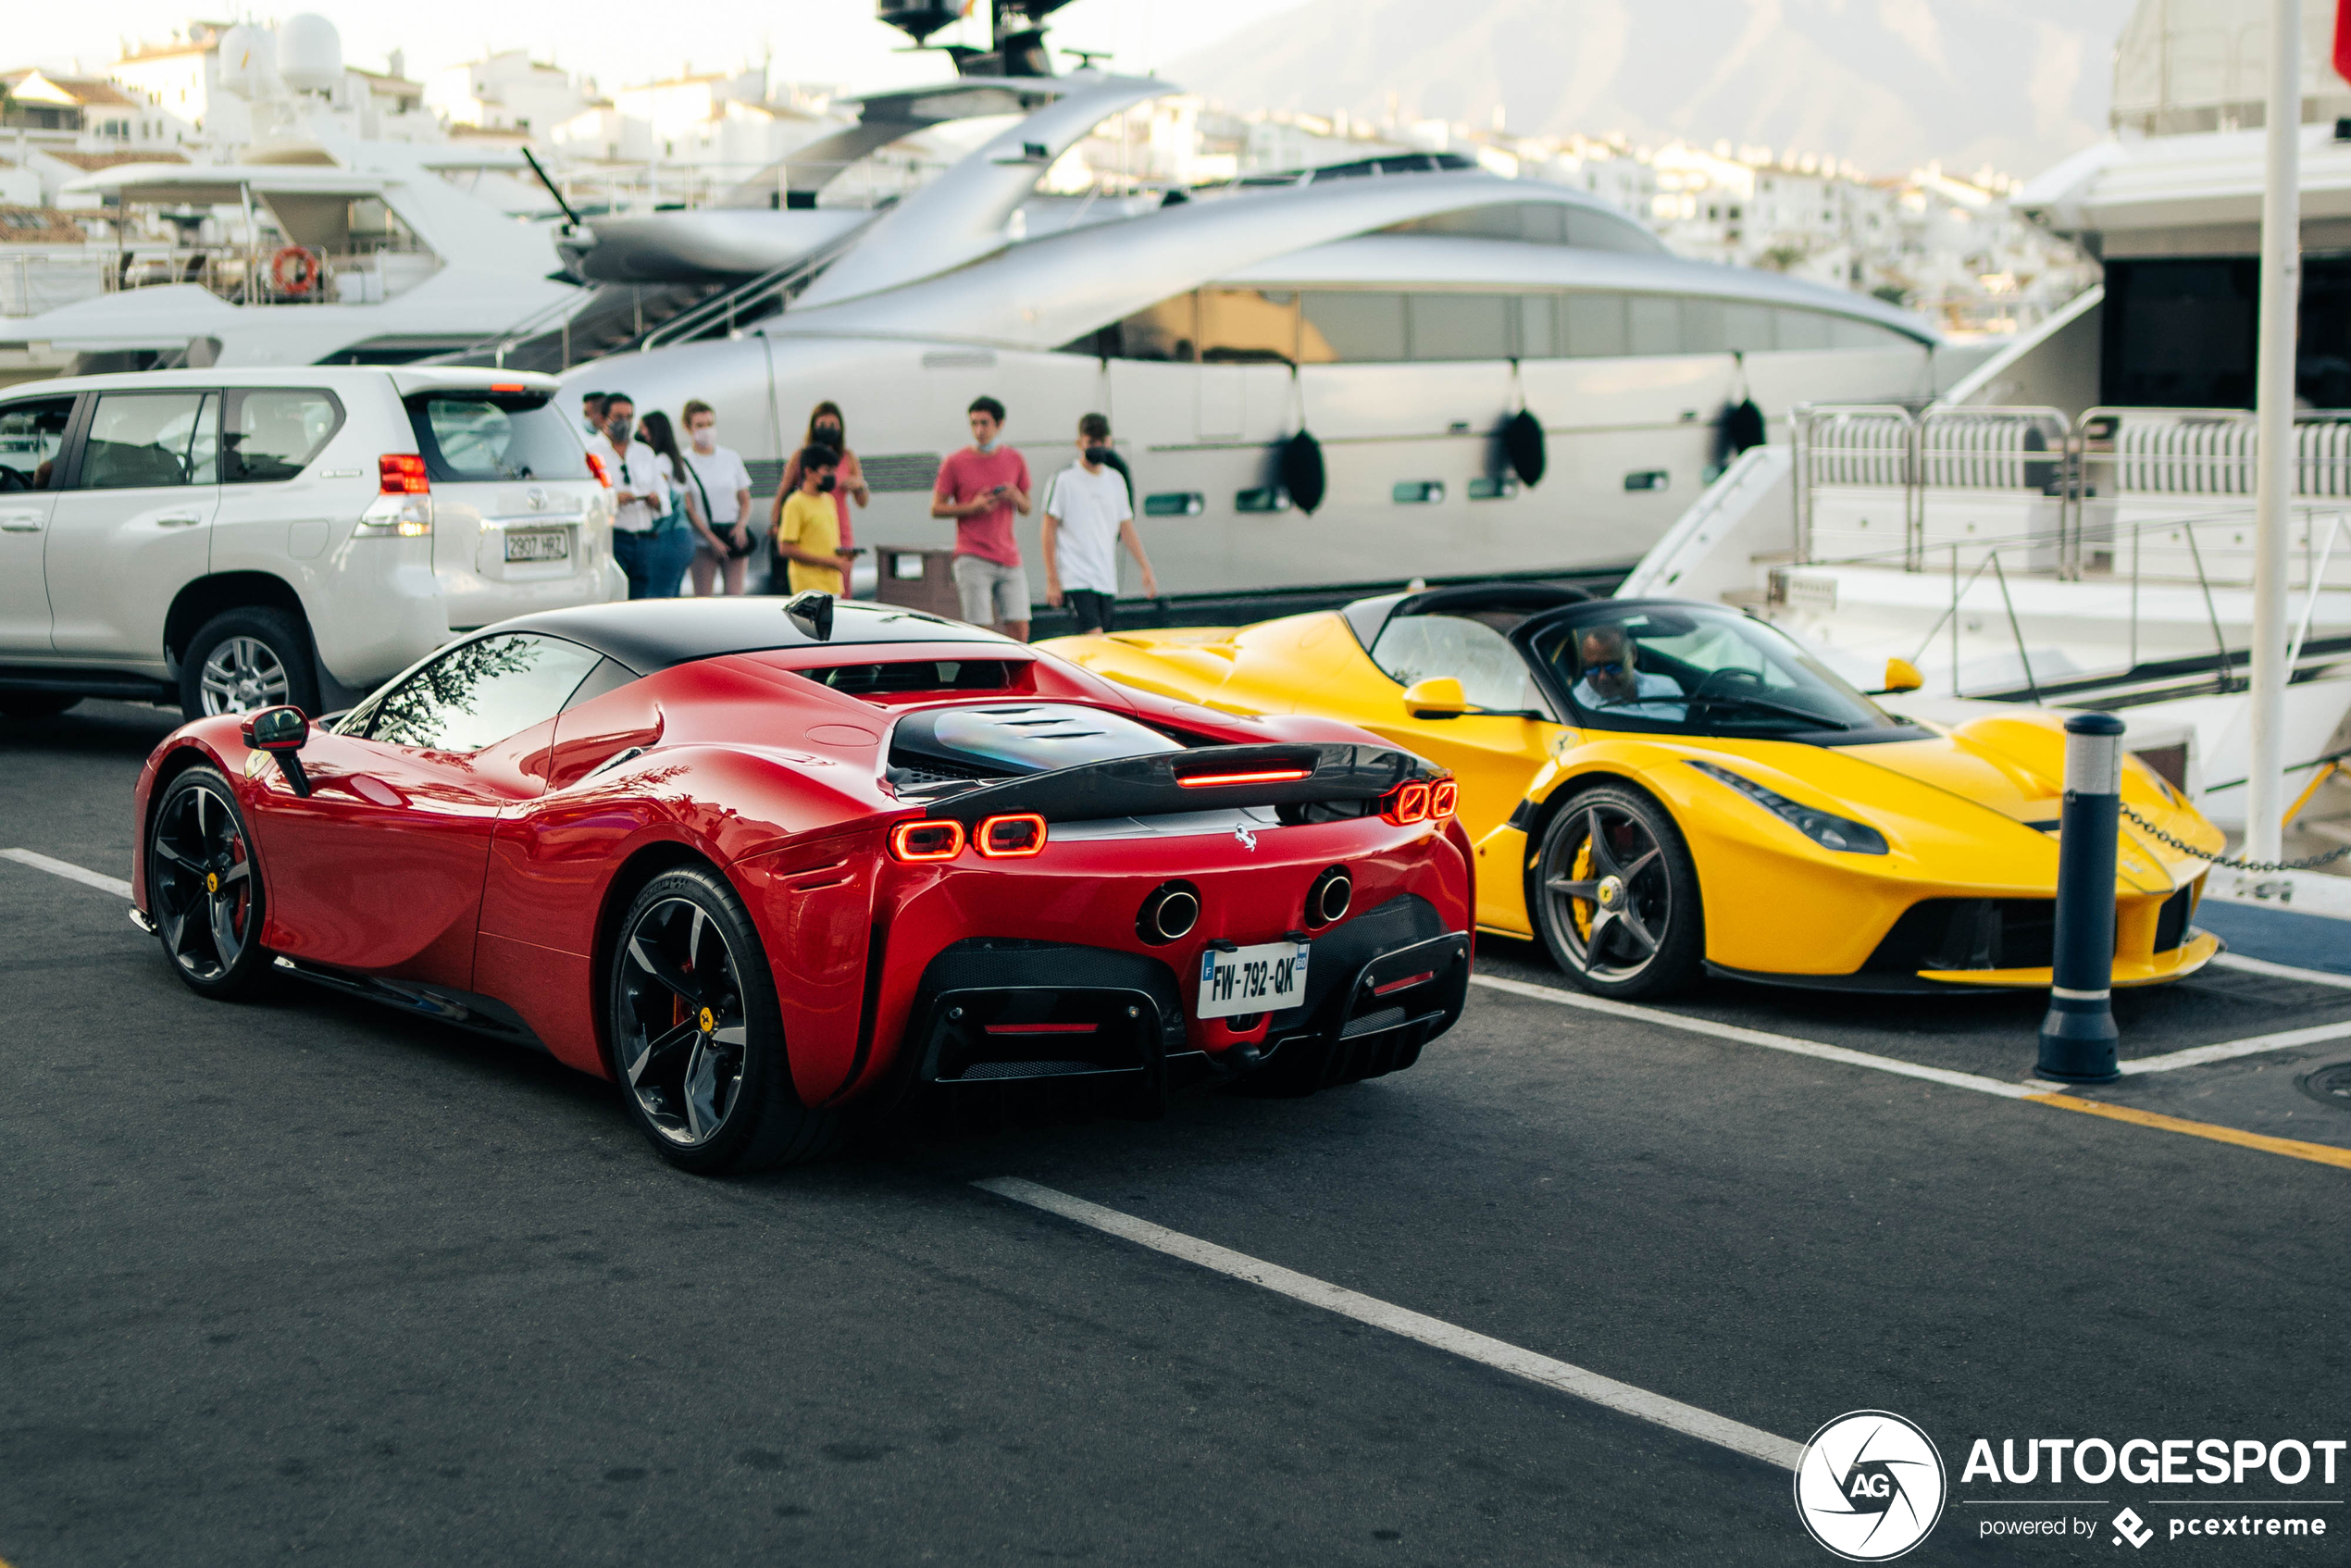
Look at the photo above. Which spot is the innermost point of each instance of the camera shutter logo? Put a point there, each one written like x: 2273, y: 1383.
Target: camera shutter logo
x: 1870, y: 1487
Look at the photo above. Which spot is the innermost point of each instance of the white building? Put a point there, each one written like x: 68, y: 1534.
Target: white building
x: 507, y: 91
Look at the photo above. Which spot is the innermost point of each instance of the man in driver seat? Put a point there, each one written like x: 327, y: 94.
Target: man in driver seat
x: 1611, y: 684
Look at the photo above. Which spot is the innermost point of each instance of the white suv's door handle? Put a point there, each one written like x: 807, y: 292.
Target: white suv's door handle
x: 20, y: 522
x: 178, y: 520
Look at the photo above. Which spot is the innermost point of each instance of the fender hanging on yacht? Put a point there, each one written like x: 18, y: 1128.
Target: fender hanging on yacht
x: 1522, y: 444
x: 1302, y: 471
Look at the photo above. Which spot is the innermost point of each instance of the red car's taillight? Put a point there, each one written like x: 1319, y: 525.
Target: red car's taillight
x: 402, y: 473
x: 1443, y: 796
x: 927, y: 840
x: 1255, y: 776
x: 596, y: 466
x: 1011, y: 837
x: 1407, y: 802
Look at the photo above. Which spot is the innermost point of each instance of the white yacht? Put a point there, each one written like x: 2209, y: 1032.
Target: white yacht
x: 1401, y: 309
x: 316, y: 243
x: 2073, y: 522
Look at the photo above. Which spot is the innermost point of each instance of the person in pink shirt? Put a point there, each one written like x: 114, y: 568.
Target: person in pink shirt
x: 981, y: 487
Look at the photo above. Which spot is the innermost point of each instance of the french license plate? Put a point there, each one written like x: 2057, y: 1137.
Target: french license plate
x: 1265, y: 979
x: 538, y: 544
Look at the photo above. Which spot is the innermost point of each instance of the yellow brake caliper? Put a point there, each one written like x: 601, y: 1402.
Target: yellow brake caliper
x: 1580, y: 910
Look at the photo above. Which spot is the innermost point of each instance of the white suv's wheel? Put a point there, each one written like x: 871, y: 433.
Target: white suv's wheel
x: 245, y: 660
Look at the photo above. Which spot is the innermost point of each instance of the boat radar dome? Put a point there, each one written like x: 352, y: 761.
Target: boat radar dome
x: 248, y: 62
x: 309, y: 53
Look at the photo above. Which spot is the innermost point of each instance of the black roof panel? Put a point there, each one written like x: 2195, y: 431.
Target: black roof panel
x: 653, y: 634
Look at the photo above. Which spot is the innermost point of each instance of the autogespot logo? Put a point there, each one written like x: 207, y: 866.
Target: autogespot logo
x: 1870, y: 1486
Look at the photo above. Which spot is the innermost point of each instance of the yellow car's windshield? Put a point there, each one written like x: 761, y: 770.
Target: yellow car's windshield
x: 1695, y: 669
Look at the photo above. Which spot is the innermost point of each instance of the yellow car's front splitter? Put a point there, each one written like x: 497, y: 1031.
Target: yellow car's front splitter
x: 2155, y: 969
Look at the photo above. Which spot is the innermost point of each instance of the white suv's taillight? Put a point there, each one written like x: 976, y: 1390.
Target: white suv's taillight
x: 396, y: 517
x: 403, y: 510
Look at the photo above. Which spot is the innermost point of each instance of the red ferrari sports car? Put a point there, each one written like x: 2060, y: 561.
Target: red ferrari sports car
x: 771, y: 864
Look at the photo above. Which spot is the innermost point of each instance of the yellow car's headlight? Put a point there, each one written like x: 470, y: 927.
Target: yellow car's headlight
x: 1825, y: 828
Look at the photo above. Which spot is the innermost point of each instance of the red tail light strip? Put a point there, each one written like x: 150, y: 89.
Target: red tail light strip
x: 1443, y: 796
x: 1407, y: 981
x: 596, y: 466
x: 1258, y: 776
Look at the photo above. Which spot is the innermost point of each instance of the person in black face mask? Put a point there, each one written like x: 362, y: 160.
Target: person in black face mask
x: 807, y: 538
x: 825, y: 429
x: 1088, y: 518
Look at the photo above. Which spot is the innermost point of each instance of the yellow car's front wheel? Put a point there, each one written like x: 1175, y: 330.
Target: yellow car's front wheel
x: 1615, y: 897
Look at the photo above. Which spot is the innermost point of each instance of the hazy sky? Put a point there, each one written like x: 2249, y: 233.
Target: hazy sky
x: 816, y: 41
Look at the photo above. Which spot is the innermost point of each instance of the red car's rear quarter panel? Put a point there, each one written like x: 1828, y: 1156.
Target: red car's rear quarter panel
x: 1088, y: 892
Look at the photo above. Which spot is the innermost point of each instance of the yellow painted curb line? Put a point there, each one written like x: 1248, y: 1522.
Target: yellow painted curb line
x: 2292, y: 1149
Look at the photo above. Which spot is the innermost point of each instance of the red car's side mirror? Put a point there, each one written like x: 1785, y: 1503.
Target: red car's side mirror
x: 281, y: 732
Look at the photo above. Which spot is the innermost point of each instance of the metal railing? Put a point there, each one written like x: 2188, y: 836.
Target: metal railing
x: 2325, y: 542
x: 747, y: 301
x: 2083, y: 479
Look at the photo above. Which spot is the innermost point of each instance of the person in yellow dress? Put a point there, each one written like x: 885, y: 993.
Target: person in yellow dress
x: 808, y: 534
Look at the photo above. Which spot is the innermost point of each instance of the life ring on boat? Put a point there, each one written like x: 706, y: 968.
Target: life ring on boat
x: 295, y: 270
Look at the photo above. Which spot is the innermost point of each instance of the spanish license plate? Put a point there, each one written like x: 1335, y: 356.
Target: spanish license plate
x: 538, y: 544
x: 1265, y: 979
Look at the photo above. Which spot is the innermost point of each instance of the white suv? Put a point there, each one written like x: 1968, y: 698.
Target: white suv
x: 227, y: 539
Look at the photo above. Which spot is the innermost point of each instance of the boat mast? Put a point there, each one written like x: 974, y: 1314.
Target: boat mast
x: 2273, y: 413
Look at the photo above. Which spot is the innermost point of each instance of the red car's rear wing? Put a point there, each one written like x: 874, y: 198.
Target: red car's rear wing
x: 1196, y: 780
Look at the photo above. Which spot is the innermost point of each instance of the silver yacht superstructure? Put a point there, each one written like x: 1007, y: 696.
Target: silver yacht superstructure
x: 1401, y: 309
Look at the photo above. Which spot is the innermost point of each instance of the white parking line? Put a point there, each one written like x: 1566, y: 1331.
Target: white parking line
x: 2194, y: 1056
x: 2279, y: 971
x: 1788, y: 1044
x: 1434, y: 1332
x: 70, y: 871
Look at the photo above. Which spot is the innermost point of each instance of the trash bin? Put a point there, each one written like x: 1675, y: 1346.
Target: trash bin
x: 917, y: 579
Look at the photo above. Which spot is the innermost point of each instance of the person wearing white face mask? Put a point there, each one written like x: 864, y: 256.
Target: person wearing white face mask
x: 723, y: 485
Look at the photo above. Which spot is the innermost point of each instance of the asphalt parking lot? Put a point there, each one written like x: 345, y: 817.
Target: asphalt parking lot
x: 304, y: 1278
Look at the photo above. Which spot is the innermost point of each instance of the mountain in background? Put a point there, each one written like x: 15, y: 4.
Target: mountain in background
x: 1888, y: 84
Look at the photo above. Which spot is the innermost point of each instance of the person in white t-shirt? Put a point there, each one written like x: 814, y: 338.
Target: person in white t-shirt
x: 723, y: 486
x: 1087, y: 516
x: 634, y: 471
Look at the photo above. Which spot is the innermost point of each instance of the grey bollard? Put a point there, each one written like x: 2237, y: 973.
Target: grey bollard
x: 2078, y: 1035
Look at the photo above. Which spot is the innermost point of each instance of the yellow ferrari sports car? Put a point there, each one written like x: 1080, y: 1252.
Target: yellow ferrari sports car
x: 1658, y: 788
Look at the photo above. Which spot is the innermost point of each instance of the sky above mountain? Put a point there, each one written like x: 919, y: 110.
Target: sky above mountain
x: 1888, y: 84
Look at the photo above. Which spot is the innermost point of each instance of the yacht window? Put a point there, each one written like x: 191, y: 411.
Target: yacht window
x: 141, y: 440
x: 1353, y: 325
x: 31, y: 433
x: 1544, y: 223
x: 466, y: 434
x: 1460, y: 326
x: 1604, y: 231
x: 1747, y: 328
x: 1802, y: 328
x: 1656, y: 324
x: 1702, y: 326
x: 1539, y: 326
x: 1594, y: 326
x: 1165, y: 331
x: 272, y: 433
x: 1845, y: 332
x: 1472, y: 650
x: 1247, y: 325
